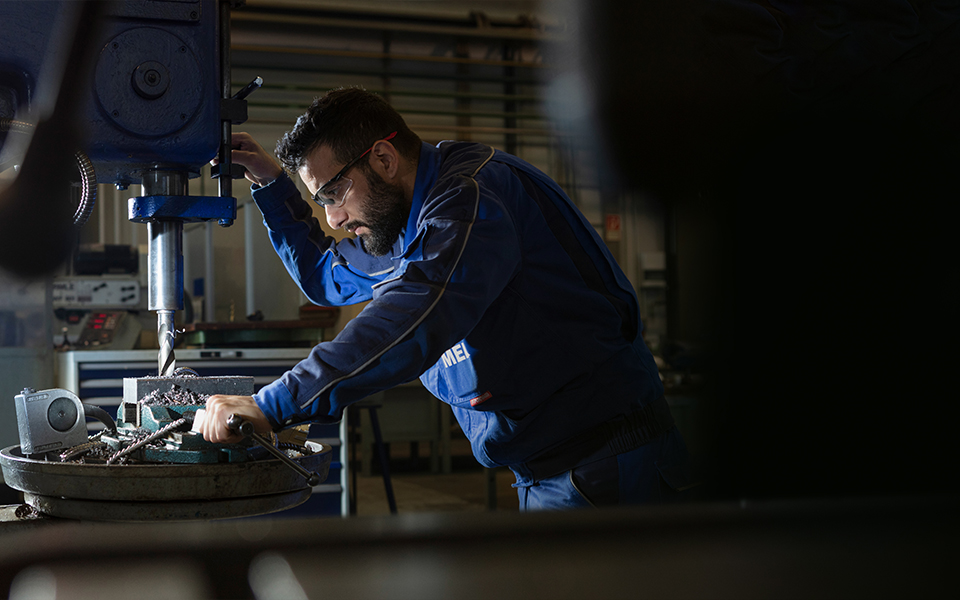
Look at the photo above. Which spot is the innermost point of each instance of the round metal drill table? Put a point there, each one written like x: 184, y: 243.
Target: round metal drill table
x: 151, y: 492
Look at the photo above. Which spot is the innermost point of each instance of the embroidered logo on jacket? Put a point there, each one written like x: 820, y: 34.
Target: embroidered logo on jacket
x: 455, y: 355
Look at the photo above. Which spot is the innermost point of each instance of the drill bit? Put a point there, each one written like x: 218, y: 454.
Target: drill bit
x: 166, y: 360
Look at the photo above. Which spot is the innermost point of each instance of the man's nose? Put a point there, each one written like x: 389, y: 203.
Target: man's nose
x: 336, y: 216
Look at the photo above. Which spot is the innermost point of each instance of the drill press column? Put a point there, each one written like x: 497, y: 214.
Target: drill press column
x: 165, y: 264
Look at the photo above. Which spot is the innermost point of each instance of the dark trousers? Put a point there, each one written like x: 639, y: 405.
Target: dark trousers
x: 656, y: 473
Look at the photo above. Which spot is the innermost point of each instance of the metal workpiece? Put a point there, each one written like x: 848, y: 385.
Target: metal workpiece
x: 138, y: 390
x: 176, y: 390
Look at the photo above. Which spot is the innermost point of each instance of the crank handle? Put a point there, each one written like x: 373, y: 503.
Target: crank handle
x: 245, y: 428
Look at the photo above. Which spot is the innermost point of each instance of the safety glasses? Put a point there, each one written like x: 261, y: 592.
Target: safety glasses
x: 334, y: 192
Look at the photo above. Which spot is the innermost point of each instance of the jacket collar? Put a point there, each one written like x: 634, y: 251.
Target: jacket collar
x: 427, y: 171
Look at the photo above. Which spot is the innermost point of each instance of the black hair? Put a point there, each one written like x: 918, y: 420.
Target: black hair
x: 349, y: 120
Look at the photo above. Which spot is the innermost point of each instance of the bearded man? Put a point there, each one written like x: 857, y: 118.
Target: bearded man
x: 484, y: 281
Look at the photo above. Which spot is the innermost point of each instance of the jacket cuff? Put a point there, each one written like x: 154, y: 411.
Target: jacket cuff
x: 278, y: 405
x: 275, y: 194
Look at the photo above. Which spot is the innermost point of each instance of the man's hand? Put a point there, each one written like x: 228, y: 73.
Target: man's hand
x: 219, y: 409
x: 261, y: 167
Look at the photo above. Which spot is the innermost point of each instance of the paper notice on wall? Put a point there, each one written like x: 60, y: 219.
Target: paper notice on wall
x: 611, y: 228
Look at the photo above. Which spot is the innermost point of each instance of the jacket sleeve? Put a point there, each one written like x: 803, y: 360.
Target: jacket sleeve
x: 465, y: 253
x: 329, y: 273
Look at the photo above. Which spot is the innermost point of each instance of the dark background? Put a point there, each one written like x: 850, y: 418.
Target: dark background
x: 813, y: 151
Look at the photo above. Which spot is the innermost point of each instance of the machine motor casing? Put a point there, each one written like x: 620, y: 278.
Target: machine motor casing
x: 156, y: 93
x: 49, y: 420
x: 154, y: 97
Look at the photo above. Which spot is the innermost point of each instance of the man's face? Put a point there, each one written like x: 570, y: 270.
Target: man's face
x: 382, y: 215
x: 373, y: 209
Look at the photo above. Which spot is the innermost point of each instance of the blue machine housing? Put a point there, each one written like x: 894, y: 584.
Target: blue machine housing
x: 23, y: 46
x: 154, y: 96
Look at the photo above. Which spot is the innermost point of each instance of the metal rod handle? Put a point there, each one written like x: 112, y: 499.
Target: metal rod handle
x: 245, y: 428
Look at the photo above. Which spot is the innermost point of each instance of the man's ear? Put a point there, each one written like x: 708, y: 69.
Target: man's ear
x: 385, y: 160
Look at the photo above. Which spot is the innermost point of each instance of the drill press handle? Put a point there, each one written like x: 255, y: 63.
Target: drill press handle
x: 237, y: 423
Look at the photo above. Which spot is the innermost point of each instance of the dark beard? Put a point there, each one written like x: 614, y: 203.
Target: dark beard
x: 386, y: 214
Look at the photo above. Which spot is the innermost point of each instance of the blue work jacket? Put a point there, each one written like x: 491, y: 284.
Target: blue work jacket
x: 499, y: 295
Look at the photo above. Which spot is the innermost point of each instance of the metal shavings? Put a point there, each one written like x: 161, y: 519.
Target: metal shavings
x: 295, y: 449
x: 93, y: 442
x: 103, y: 452
x: 177, y: 396
x: 25, y: 511
x: 76, y: 451
x: 93, y: 452
x: 160, y: 433
x: 97, y: 455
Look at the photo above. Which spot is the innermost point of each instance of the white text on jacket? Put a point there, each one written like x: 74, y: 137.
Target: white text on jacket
x: 456, y: 354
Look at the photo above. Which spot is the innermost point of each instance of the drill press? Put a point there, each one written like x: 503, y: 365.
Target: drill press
x: 155, y: 115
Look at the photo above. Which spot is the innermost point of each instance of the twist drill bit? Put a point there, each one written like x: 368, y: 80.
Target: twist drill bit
x: 166, y: 360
